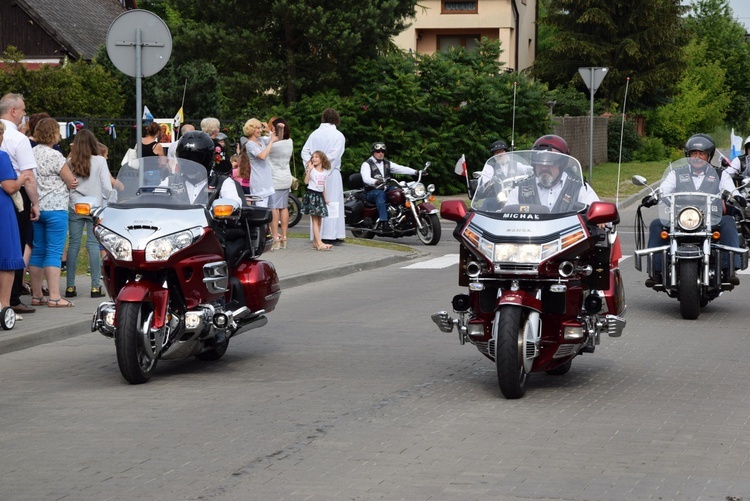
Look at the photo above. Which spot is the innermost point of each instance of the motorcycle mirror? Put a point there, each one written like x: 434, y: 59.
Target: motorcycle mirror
x: 476, y: 175
x: 427, y: 165
x: 639, y: 180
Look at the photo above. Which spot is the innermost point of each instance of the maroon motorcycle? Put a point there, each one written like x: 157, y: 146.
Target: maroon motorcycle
x: 185, y: 278
x: 409, y: 207
x: 543, y: 284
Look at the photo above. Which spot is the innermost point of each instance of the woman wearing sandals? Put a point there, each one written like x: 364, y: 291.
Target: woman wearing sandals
x: 54, y: 179
x: 94, y: 180
x: 315, y: 201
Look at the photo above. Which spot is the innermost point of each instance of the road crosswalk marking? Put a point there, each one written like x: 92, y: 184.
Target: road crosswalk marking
x: 434, y: 264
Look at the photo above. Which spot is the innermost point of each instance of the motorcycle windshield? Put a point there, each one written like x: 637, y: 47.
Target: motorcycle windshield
x: 526, y: 178
x: 690, y: 183
x: 158, y: 181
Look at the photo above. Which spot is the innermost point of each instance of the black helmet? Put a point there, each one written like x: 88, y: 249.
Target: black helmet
x: 379, y: 146
x: 198, y: 147
x: 498, y: 145
x: 700, y: 142
x: 551, y: 142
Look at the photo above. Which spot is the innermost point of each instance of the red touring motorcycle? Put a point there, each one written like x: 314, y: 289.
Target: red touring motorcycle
x: 184, y: 279
x: 543, y: 285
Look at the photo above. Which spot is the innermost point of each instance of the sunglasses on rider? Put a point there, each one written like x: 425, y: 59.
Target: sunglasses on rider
x: 378, y: 148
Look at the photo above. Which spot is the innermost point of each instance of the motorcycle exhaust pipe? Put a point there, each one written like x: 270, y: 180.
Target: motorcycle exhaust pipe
x: 473, y: 269
x: 566, y: 269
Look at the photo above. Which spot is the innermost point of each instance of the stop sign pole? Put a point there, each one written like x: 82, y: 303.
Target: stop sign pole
x: 592, y: 77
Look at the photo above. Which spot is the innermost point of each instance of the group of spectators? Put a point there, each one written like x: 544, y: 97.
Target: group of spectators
x: 41, y: 218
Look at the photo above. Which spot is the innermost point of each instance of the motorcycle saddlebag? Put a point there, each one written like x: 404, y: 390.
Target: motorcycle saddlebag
x: 260, y: 284
x: 353, y: 210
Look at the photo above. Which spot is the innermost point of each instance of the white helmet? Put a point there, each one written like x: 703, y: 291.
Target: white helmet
x: 747, y: 143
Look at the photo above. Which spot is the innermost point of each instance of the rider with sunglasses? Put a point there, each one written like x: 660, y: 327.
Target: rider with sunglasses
x: 375, y: 171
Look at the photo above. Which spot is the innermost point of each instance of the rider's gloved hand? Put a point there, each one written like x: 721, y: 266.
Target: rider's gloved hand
x: 725, y: 162
x: 741, y: 201
x: 649, y: 201
x: 424, y: 173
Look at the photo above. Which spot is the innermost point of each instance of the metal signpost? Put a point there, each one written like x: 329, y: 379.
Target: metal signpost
x: 592, y: 77
x: 139, y: 44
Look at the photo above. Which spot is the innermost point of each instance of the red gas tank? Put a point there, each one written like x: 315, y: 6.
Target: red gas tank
x: 395, y: 197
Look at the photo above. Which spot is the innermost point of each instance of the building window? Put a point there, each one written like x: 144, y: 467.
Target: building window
x: 459, y: 7
x: 445, y: 42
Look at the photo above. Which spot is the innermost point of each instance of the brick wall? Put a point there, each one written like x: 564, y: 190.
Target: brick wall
x: 575, y: 130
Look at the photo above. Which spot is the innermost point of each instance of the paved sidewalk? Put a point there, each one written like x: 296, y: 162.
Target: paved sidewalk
x: 298, y: 264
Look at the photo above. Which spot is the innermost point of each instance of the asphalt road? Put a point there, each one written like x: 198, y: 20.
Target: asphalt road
x: 351, y: 392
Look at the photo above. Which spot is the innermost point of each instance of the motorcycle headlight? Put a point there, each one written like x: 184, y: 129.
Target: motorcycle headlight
x: 118, y: 246
x: 419, y: 190
x: 690, y: 219
x: 162, y: 248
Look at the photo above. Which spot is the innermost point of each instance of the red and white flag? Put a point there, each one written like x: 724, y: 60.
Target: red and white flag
x: 461, y: 166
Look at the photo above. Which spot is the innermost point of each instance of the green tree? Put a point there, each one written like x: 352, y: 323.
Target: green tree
x: 284, y: 48
x: 714, y: 25
x: 700, y: 104
x: 639, y: 39
x: 431, y: 108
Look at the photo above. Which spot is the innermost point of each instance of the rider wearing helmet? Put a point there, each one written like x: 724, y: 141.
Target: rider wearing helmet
x: 500, y: 172
x: 207, y: 185
x: 697, y: 176
x: 375, y: 171
x: 551, y: 185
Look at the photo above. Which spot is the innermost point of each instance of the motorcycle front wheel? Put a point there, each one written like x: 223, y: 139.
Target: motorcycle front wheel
x: 508, y: 331
x: 135, y: 366
x: 689, y: 289
x: 430, y: 232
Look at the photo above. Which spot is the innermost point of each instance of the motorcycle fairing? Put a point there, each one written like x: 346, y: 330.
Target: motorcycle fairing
x: 506, y: 230
x: 140, y: 226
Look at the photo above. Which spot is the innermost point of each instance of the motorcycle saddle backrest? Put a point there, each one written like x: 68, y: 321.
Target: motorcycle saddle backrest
x: 356, y: 182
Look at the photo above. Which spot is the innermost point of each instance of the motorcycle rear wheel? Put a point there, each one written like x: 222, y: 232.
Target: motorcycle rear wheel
x: 295, y: 212
x: 135, y: 366
x: 689, y: 289
x: 561, y: 370
x: 430, y: 232
x: 508, y: 330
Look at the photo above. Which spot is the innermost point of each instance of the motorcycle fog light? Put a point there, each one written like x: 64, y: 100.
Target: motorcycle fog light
x: 109, y: 318
x: 192, y: 320
x: 221, y: 320
x: 476, y: 330
x: 573, y: 332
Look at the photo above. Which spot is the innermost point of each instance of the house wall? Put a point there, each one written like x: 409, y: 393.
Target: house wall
x: 19, y: 30
x: 494, y: 19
